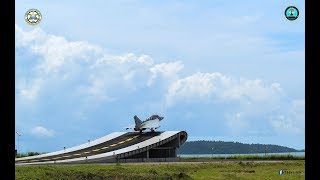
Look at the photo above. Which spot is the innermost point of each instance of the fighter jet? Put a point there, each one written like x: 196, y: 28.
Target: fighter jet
x: 152, y: 123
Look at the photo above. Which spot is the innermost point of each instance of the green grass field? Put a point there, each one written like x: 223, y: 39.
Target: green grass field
x: 203, y: 170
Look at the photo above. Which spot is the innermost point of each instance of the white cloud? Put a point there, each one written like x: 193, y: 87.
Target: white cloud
x: 197, y: 85
x: 42, y: 131
x: 130, y: 57
x: 220, y: 87
x: 57, y: 51
x: 23, y: 38
x: 245, y: 101
x: 100, y: 72
x: 62, y: 62
x: 166, y: 70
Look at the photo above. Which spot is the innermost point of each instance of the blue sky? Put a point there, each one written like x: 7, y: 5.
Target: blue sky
x: 221, y: 70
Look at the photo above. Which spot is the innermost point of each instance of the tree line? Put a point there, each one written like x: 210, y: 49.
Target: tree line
x: 221, y: 147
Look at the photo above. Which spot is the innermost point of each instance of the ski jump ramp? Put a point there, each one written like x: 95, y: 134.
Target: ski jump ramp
x: 116, y: 147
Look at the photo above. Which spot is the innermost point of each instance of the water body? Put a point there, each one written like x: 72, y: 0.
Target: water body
x: 227, y: 155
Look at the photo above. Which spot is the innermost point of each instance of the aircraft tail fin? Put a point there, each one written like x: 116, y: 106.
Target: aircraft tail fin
x: 137, y: 121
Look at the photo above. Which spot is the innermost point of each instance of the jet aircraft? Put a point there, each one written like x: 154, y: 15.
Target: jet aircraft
x: 152, y: 123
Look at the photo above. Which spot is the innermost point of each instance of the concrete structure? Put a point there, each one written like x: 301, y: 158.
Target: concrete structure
x: 117, y: 147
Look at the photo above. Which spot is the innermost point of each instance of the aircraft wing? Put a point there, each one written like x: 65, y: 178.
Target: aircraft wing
x: 151, y: 124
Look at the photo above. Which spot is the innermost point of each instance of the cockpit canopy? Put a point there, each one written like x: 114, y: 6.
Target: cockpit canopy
x: 153, y: 117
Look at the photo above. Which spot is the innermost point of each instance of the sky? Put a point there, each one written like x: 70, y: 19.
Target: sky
x: 220, y: 70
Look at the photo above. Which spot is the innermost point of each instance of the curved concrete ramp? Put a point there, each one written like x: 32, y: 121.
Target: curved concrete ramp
x: 117, y: 147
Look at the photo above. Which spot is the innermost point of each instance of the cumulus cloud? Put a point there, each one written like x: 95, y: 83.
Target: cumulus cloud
x: 220, y: 87
x: 62, y: 62
x: 167, y: 70
x: 42, y: 131
x: 23, y: 38
x: 248, y: 103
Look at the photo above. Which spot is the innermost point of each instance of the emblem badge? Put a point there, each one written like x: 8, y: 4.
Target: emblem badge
x: 291, y: 13
x: 33, y: 16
